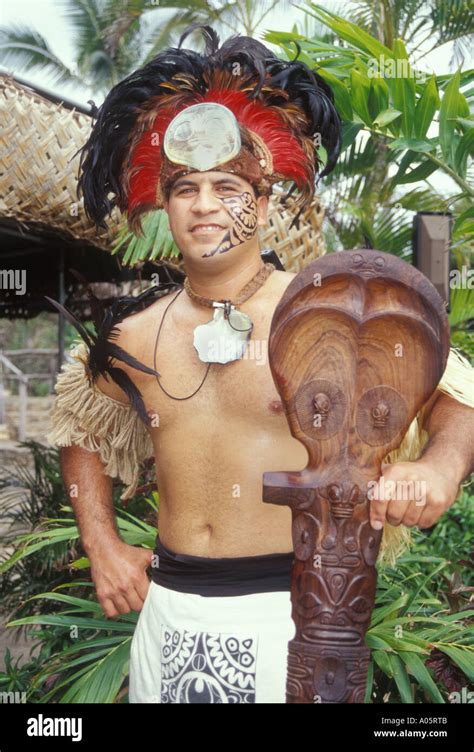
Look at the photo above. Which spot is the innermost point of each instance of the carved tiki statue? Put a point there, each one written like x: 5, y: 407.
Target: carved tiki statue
x: 358, y: 344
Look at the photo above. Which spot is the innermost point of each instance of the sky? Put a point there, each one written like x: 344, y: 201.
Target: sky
x: 47, y: 16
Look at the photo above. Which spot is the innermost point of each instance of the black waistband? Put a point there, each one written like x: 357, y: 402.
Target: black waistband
x: 240, y: 575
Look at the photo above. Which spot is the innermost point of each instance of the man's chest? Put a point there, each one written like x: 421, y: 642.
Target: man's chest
x: 239, y: 390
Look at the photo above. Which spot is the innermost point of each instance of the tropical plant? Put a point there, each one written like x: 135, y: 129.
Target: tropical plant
x: 387, y: 107
x: 112, y: 38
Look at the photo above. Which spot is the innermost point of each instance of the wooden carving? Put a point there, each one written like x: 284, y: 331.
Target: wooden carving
x: 358, y: 344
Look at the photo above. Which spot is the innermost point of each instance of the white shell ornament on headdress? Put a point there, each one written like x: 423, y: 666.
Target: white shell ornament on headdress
x: 203, y: 136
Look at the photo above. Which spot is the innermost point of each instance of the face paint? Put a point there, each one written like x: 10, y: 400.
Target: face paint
x: 243, y: 210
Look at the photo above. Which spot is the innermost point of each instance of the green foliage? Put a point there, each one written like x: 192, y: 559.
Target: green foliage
x: 401, y: 127
x: 51, y: 556
x: 377, y: 89
x: 157, y: 240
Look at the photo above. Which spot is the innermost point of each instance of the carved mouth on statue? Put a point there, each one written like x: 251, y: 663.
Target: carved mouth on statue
x: 326, y: 635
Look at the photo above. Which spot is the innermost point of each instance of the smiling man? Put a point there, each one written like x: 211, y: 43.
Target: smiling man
x: 174, y: 374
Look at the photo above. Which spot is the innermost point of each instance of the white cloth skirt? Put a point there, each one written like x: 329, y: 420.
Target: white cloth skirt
x: 189, y: 648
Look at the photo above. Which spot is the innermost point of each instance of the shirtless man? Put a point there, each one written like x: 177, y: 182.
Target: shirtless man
x: 211, y: 452
x: 232, y: 431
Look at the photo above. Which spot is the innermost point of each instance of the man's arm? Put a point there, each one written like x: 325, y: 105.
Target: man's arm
x: 446, y: 460
x: 117, y: 569
x: 90, y: 492
x: 450, y: 427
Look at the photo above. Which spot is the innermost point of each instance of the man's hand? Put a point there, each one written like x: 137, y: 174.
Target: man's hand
x: 412, y: 493
x: 120, y: 579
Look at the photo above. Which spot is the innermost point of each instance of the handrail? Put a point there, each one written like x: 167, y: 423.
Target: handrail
x: 33, y: 351
x: 22, y: 393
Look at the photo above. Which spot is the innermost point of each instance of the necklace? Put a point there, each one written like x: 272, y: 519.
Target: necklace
x: 225, y: 337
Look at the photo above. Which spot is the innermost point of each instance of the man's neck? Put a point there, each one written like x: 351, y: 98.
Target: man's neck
x: 224, y: 283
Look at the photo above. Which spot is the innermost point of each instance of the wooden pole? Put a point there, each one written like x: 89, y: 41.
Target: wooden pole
x: 62, y: 300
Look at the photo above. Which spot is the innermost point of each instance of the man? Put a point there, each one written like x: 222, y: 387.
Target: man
x: 197, y: 393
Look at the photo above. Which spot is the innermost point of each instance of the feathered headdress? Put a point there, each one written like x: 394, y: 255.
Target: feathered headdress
x: 282, y: 113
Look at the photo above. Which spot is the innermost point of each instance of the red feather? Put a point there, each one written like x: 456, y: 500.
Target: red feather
x: 289, y: 158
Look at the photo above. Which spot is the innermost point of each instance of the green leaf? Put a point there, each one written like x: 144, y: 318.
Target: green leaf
x: 370, y: 682
x: 83, y: 604
x: 156, y: 241
x: 68, y: 621
x: 103, y: 681
x: 448, y: 112
x: 402, y: 680
x: 385, y: 117
x: 350, y: 32
x: 414, y: 144
x: 375, y: 642
x: 464, y: 147
x: 409, y: 641
x: 421, y: 586
x: 403, y: 88
x: 360, y: 88
x: 426, y: 107
x: 462, y: 299
x: 468, y: 214
x: 383, y: 661
x: 416, y: 667
x: 48, y: 538
x: 349, y: 133
x: 421, y: 172
x: 378, y: 96
x: 462, y: 657
x: 465, y: 122
x: 379, y: 614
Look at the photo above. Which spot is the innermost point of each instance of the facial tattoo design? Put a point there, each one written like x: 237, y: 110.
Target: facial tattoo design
x: 243, y: 210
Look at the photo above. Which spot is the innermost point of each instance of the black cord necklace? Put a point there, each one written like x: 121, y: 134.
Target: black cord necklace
x: 227, y: 308
x: 154, y: 357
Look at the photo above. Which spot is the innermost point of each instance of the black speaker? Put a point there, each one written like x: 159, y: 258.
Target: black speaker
x: 431, y: 249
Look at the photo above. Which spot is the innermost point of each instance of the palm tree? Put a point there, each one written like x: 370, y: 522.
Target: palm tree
x: 112, y: 38
x: 365, y: 205
x: 416, y: 22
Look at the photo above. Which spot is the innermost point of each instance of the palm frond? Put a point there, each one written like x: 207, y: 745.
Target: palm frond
x: 24, y: 47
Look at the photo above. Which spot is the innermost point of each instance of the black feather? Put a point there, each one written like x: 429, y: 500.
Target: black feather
x: 133, y: 393
x: 102, y: 348
x: 104, y: 154
x: 86, y: 336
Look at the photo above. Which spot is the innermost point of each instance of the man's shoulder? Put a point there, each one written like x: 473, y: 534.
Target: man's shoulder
x: 139, y: 313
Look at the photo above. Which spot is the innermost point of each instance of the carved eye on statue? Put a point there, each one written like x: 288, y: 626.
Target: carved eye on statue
x: 320, y: 407
x: 381, y: 415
